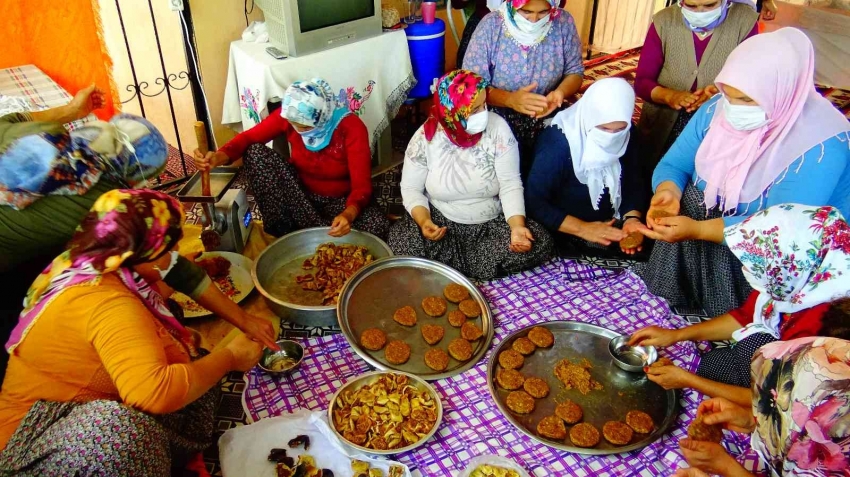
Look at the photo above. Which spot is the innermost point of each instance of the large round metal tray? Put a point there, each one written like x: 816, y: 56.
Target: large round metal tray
x: 369, y: 378
x: 623, y: 391
x: 372, y: 295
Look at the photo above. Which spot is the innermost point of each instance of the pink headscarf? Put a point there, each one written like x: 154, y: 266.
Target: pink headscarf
x: 777, y: 71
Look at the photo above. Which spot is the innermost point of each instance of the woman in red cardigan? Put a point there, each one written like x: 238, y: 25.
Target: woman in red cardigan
x: 327, y: 180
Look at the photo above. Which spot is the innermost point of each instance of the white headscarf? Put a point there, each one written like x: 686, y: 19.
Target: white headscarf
x: 796, y: 257
x: 525, y: 33
x: 596, y: 153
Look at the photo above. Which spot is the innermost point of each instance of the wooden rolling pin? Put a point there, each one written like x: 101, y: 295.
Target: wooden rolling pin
x: 203, y: 146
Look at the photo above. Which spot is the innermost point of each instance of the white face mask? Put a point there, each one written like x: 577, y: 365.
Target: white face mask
x: 526, y: 26
x: 701, y: 19
x: 477, y: 122
x: 612, y: 143
x: 163, y: 273
x: 742, y: 117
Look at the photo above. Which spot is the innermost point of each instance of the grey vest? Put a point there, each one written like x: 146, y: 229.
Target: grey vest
x: 680, y: 68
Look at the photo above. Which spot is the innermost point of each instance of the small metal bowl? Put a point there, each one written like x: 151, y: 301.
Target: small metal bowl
x: 288, y: 349
x: 631, y: 358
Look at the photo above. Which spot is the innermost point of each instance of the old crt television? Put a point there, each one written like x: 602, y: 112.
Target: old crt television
x: 300, y: 27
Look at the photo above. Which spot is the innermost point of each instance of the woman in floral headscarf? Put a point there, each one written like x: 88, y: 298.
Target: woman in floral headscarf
x: 102, y: 379
x: 529, y: 51
x: 460, y: 176
x: 798, y: 418
x: 327, y: 180
x: 797, y: 259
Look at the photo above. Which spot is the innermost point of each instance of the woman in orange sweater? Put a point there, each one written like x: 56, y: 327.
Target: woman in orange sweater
x: 102, y: 379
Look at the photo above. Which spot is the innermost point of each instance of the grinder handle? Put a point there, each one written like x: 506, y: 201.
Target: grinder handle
x: 203, y: 146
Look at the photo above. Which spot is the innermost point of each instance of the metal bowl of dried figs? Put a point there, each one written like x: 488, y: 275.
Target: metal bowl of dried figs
x: 385, y: 412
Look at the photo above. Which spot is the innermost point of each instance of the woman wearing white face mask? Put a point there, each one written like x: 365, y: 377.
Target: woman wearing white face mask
x: 327, y: 180
x: 462, y: 189
x: 769, y: 139
x: 586, y: 175
x: 685, y: 48
x: 530, y: 53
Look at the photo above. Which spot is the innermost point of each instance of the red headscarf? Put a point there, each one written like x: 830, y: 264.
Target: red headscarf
x: 453, y: 99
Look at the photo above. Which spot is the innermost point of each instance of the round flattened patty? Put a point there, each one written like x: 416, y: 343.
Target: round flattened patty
x: 434, y: 306
x: 632, y: 240
x: 520, y: 402
x: 523, y: 346
x: 617, y: 433
x: 584, y: 435
x: 510, y: 359
x: 455, y: 293
x: 551, y: 427
x: 373, y: 339
x: 640, y: 422
x: 700, y: 431
x: 397, y: 352
x: 541, y: 337
x: 569, y: 411
x: 536, y: 387
x: 470, y: 308
x: 509, y: 379
x: 470, y: 332
x: 432, y: 333
x: 436, y: 359
x: 405, y: 316
x: 659, y: 214
x: 460, y: 349
x: 457, y: 318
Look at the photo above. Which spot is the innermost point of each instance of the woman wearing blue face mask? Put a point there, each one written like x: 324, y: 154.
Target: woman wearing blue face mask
x: 685, y: 48
x: 769, y: 139
x: 327, y: 180
x: 461, y: 187
x: 530, y: 53
x: 586, y: 182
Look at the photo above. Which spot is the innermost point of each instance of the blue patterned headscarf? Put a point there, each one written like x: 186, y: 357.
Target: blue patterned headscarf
x: 313, y: 103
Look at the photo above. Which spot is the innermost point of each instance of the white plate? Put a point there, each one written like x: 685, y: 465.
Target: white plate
x: 240, y: 274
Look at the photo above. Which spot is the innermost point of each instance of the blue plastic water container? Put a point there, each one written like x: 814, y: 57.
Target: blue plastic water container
x: 427, y: 45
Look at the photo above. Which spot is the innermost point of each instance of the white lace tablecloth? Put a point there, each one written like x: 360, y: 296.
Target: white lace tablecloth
x: 374, y: 75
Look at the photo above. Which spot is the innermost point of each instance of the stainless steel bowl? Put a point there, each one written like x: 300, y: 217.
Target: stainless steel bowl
x: 288, y: 349
x: 290, y: 251
x: 368, y: 378
x: 631, y: 358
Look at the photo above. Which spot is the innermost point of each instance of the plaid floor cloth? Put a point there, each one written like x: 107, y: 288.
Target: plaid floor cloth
x: 31, y: 83
x: 472, y: 424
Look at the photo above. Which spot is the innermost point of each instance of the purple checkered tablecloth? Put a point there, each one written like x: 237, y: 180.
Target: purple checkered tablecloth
x: 31, y: 83
x: 472, y: 424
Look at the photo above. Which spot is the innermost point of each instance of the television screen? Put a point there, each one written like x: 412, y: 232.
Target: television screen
x: 316, y: 14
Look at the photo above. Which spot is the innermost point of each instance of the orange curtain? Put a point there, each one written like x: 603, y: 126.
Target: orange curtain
x: 64, y: 39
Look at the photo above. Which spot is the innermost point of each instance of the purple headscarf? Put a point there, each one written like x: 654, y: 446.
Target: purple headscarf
x: 724, y: 6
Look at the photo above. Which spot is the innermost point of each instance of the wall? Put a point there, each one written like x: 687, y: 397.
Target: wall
x: 217, y: 23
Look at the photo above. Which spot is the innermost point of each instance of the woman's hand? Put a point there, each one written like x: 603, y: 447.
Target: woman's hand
x: 340, y: 226
x: 521, y: 239
x: 702, y: 96
x: 432, y: 232
x: 675, y: 229
x: 669, y: 377
x: 246, y: 353
x: 679, y: 100
x: 205, y: 162
x: 665, y: 201
x: 260, y: 330
x: 709, y: 457
x: 86, y: 100
x: 601, y: 232
x: 689, y: 472
x: 633, y: 227
x: 728, y: 414
x: 654, y: 336
x: 555, y: 99
x: 525, y: 102
x: 769, y: 10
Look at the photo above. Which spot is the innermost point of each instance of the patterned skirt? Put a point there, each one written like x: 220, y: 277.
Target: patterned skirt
x: 731, y: 365
x: 287, y: 206
x: 695, y: 275
x: 107, y: 438
x: 479, y: 251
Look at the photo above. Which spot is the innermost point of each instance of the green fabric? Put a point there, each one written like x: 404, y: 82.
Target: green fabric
x: 17, y: 125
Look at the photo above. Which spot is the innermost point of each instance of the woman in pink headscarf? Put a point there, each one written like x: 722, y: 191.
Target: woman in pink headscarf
x: 769, y: 138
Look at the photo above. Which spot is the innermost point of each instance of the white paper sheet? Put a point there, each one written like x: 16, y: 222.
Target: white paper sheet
x: 244, y: 450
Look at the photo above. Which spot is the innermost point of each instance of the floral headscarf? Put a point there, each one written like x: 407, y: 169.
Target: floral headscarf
x: 123, y: 228
x: 453, y: 99
x: 313, y: 103
x: 801, y: 401
x: 796, y: 257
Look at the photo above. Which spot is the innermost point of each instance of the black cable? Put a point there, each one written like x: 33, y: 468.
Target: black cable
x: 248, y: 12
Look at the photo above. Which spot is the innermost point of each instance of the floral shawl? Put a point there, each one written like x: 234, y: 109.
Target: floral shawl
x: 801, y: 401
x: 796, y: 257
x: 124, y: 228
x: 453, y: 98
